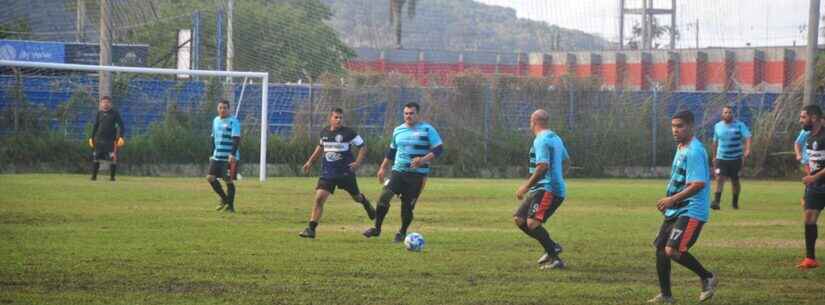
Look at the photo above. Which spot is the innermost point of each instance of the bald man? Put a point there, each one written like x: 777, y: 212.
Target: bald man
x: 544, y: 191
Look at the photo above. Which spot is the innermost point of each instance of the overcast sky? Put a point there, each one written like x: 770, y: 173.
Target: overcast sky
x: 721, y: 22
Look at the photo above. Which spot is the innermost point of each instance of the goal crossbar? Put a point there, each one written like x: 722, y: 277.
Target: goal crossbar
x: 264, y: 76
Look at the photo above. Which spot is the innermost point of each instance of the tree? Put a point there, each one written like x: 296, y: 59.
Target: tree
x: 284, y: 38
x: 396, y: 7
x: 657, y: 31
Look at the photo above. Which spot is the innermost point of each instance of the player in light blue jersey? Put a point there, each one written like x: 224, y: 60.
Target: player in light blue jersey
x: 223, y: 164
x: 800, y: 151
x: 686, y: 209
x: 545, y: 190
x: 732, y: 145
x: 413, y: 146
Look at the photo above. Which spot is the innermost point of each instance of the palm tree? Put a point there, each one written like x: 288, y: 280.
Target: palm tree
x: 395, y: 16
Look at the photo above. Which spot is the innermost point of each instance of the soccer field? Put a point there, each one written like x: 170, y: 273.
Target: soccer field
x: 67, y: 240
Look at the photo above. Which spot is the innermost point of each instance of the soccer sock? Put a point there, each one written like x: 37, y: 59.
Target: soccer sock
x: 525, y: 229
x: 230, y: 190
x: 690, y: 262
x: 810, y: 240
x: 95, y: 169
x: 313, y: 225
x: 717, y: 196
x: 407, y: 207
x: 541, y: 234
x: 736, y: 199
x: 112, y: 171
x: 216, y: 186
x: 663, y: 270
x: 382, y: 208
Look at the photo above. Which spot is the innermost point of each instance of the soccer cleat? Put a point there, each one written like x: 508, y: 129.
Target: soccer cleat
x: 708, y: 288
x: 307, y: 233
x: 660, y: 299
x: 221, y: 205
x: 399, y: 237
x: 370, y: 210
x: 557, y: 263
x: 112, y: 179
x: 735, y: 206
x: 94, y: 178
x: 714, y: 205
x: 547, y: 257
x: 371, y: 232
x: 808, y: 263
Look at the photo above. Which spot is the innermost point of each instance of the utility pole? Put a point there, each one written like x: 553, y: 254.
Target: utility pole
x: 648, y: 12
x: 105, y: 77
x: 810, y: 63
x: 80, y: 23
x: 697, y: 33
x: 230, y: 46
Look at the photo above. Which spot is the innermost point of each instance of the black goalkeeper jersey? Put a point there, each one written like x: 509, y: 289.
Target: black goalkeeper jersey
x: 108, y: 126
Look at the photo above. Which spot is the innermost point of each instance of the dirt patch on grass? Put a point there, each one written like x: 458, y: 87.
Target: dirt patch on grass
x: 16, y: 218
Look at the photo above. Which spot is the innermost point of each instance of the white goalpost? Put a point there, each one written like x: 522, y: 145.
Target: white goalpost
x: 264, y: 76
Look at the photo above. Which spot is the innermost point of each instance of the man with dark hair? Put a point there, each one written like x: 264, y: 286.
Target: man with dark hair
x: 413, y: 146
x: 338, y: 169
x: 811, y: 120
x: 225, y: 141
x: 107, y: 137
x: 686, y: 209
x: 544, y: 190
x: 731, y: 145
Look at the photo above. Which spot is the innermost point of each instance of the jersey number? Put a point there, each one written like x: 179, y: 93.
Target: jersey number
x: 674, y: 235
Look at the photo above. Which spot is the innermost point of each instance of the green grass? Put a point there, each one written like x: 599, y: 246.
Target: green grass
x: 66, y: 240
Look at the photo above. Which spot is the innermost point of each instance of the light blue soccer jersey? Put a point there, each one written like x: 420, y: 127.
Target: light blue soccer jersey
x: 690, y: 165
x: 223, y: 130
x: 412, y: 142
x: 800, y: 140
x: 548, y: 148
x: 730, y: 139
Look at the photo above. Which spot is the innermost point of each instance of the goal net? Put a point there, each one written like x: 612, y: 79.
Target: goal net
x: 167, y: 113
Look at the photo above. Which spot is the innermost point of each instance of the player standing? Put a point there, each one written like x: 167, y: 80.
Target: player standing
x: 107, y: 135
x: 223, y: 164
x: 811, y: 120
x: 686, y: 209
x: 732, y: 145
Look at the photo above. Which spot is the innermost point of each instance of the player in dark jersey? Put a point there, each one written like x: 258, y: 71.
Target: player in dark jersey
x: 107, y: 135
x: 338, y: 169
x: 686, y: 209
x: 810, y: 119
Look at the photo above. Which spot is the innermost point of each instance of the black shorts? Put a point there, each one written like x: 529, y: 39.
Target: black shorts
x: 347, y: 183
x: 104, y: 151
x: 408, y: 185
x: 679, y: 233
x: 539, y: 205
x: 814, y: 198
x: 729, y: 168
x: 221, y: 169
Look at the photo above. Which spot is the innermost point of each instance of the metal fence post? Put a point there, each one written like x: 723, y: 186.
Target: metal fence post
x: 486, y: 120
x: 654, y: 126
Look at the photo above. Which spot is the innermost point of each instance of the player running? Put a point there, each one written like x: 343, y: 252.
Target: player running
x: 686, y: 209
x: 226, y: 140
x: 338, y: 169
x: 545, y: 190
x: 413, y: 146
x: 731, y: 145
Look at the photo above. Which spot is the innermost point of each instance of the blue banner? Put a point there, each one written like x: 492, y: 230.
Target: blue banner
x: 53, y: 52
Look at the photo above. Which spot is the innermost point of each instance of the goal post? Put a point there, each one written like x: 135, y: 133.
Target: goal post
x: 264, y: 76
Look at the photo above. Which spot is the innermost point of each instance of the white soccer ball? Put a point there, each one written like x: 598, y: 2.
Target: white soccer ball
x: 414, y: 242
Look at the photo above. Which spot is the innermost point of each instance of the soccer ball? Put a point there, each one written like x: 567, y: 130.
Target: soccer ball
x: 414, y: 242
